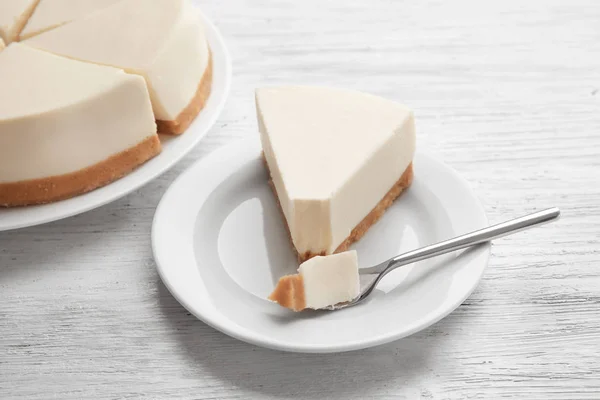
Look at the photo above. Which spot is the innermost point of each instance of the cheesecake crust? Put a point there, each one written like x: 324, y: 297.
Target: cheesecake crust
x: 376, y: 213
x: 187, y: 116
x: 55, y: 188
x: 289, y: 293
x: 359, y: 230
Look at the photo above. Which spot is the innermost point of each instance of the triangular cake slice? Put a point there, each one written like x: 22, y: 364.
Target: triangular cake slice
x: 13, y: 17
x: 161, y: 40
x: 337, y: 160
x: 68, y: 127
x: 50, y: 14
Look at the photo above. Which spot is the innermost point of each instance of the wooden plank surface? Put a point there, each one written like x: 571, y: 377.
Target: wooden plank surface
x: 506, y: 92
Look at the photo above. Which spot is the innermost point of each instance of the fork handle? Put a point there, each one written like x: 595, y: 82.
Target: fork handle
x: 473, y: 238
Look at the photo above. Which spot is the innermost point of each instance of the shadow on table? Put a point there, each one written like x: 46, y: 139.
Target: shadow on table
x: 287, y: 375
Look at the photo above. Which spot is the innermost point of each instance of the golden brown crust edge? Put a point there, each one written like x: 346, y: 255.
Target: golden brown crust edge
x: 289, y: 293
x: 187, y: 116
x: 376, y: 213
x: 359, y: 230
x: 47, y: 190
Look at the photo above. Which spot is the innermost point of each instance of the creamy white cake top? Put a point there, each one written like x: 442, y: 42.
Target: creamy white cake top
x: 330, y: 280
x: 161, y: 40
x: 13, y: 16
x: 59, y: 115
x: 333, y: 155
x: 52, y: 13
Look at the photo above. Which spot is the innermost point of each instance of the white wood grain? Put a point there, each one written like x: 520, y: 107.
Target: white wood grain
x: 507, y: 92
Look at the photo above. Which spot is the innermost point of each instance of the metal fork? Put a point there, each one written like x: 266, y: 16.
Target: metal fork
x: 370, y: 277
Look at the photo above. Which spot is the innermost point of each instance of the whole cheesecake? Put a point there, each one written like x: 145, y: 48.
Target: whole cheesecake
x: 159, y: 40
x: 337, y: 160
x: 68, y: 127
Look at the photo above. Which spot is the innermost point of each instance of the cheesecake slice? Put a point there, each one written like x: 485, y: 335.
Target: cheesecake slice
x: 160, y: 40
x: 68, y: 127
x: 13, y: 17
x: 50, y: 14
x: 321, y: 282
x: 337, y: 160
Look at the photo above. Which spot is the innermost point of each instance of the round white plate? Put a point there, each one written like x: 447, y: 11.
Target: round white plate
x: 220, y: 247
x: 174, y: 149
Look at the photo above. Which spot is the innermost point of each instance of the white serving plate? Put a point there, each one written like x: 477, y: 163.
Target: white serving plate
x: 220, y: 247
x: 174, y: 149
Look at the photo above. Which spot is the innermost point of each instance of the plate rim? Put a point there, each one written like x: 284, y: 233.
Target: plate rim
x: 275, y: 344
x: 216, y: 41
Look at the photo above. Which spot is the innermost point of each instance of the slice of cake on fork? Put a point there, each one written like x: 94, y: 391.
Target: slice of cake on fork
x: 321, y: 283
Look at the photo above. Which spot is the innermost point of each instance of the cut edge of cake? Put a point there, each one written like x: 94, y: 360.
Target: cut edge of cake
x: 34, y: 190
x: 195, y: 105
x: 62, y: 187
x: 193, y: 109
x: 359, y: 230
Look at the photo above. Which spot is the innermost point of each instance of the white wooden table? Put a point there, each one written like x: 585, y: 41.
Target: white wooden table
x: 507, y: 92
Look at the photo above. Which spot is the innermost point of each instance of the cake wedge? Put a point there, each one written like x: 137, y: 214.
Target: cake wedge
x: 13, y: 17
x: 50, y: 14
x: 337, y: 160
x: 321, y: 282
x: 161, y: 40
x: 68, y: 127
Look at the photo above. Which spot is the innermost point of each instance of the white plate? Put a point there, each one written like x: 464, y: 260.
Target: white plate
x: 174, y: 149
x: 220, y: 246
